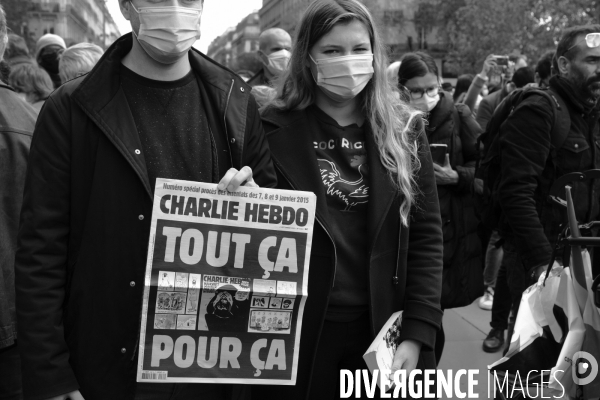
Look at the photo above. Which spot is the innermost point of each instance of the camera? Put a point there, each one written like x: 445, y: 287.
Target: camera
x: 501, y: 60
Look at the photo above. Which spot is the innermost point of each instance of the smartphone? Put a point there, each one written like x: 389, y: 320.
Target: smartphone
x: 438, y: 153
x: 501, y: 60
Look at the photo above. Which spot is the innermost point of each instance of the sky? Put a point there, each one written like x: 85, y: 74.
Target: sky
x: 218, y: 15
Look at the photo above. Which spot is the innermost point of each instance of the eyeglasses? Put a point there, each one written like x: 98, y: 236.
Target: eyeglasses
x: 417, y: 94
x: 591, y: 39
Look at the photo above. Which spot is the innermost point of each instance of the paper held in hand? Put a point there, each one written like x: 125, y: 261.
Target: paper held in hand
x: 380, y: 355
x: 226, y: 283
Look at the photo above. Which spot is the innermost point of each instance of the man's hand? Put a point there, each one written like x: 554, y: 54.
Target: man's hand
x: 445, y: 175
x: 69, y: 396
x: 233, y: 179
x: 407, y: 356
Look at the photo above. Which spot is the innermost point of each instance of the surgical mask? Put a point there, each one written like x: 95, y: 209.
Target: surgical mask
x: 425, y: 103
x: 343, y: 78
x: 278, y: 62
x: 167, y: 33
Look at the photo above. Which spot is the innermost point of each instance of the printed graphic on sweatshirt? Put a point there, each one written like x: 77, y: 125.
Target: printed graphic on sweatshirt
x: 349, y: 191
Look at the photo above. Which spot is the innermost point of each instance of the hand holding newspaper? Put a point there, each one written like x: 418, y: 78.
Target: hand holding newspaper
x: 380, y: 355
x: 226, y: 283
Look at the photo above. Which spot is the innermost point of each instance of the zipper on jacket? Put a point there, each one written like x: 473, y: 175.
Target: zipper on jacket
x: 319, y: 222
x: 225, y: 122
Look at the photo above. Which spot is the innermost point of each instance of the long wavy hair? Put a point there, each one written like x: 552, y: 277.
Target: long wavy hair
x: 394, y: 124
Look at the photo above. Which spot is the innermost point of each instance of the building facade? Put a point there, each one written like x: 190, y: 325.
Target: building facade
x: 236, y: 47
x: 75, y: 21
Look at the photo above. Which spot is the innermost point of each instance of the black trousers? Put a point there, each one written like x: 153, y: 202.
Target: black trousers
x: 10, y: 374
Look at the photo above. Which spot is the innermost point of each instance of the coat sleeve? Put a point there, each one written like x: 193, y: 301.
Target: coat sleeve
x: 41, y: 260
x: 422, y: 315
x: 469, y: 132
x: 474, y: 91
x: 524, y: 148
x: 256, y: 151
x: 484, y: 112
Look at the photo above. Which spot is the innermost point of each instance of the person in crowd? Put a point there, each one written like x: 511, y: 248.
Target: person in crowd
x: 17, y: 52
x: 488, y: 104
x: 452, y: 125
x: 17, y: 120
x: 33, y: 83
x: 78, y: 60
x: 530, y: 223
x: 150, y: 108
x: 543, y: 70
x: 462, y: 86
x: 47, y: 53
x: 367, y: 261
x: 477, y: 88
x: 274, y: 46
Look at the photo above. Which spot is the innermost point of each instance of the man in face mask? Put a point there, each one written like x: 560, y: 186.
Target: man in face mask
x: 534, y: 153
x: 151, y: 107
x: 275, y: 46
x: 47, y: 53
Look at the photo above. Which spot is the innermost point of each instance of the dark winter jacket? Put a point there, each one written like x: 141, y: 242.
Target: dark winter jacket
x: 412, y: 254
x: 488, y: 105
x: 17, y: 120
x: 85, y: 225
x: 455, y: 126
x: 531, y: 220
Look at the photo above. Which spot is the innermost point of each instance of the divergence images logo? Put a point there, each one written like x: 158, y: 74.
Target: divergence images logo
x: 585, y: 368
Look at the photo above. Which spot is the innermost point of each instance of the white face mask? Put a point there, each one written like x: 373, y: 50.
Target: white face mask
x: 168, y: 33
x: 425, y: 103
x: 343, y: 78
x: 278, y: 62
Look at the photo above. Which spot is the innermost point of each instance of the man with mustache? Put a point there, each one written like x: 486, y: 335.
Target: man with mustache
x: 530, y: 164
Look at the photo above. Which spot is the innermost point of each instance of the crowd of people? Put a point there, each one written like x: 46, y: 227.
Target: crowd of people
x: 85, y: 133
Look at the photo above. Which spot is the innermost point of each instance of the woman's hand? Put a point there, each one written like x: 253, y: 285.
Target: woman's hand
x: 445, y: 175
x: 233, y: 179
x: 407, y: 356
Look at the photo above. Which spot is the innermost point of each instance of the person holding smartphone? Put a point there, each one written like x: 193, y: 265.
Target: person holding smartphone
x: 338, y: 130
x: 453, y: 125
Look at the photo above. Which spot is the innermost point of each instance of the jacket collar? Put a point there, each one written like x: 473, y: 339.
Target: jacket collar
x: 100, y: 96
x: 300, y: 167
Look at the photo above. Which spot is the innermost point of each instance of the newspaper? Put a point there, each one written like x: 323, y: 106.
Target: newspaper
x: 380, y: 355
x: 225, y: 285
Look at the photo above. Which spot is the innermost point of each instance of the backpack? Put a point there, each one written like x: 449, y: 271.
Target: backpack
x: 488, y: 168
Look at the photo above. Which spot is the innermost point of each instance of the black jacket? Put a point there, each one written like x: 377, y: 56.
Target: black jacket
x: 531, y: 220
x: 85, y: 225
x: 454, y: 125
x: 17, y: 120
x: 413, y: 254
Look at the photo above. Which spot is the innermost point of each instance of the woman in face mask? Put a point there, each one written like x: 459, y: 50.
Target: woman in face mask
x: 337, y: 129
x: 452, y: 131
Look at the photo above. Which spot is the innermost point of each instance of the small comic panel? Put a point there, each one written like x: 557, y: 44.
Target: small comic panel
x: 195, y: 281
x: 170, y: 302
x: 275, y: 302
x: 166, y: 280
x: 224, y: 304
x: 260, y: 302
x: 186, y: 322
x: 192, y: 301
x: 287, y: 304
x: 264, y: 287
x: 181, y: 281
x: 164, y: 321
x: 267, y: 321
x: 286, y: 289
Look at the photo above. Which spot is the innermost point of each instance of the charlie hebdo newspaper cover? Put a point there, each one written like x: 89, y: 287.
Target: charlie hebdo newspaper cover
x: 225, y: 285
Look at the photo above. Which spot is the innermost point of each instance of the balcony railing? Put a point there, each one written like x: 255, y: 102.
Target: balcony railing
x: 44, y: 7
